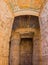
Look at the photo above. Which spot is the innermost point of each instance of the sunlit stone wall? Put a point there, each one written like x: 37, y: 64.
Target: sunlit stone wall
x: 5, y: 31
x: 6, y: 20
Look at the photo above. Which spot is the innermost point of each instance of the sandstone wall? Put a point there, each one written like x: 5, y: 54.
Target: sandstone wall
x: 5, y: 31
x: 44, y: 33
x: 6, y: 20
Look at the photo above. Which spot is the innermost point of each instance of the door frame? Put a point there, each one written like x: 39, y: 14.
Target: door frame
x: 15, y: 41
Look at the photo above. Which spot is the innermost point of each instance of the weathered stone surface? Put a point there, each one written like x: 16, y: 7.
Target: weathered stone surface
x: 44, y: 32
x: 14, y: 49
x: 36, y: 49
x: 6, y: 17
x: 19, y: 7
x: 5, y: 32
x: 3, y: 60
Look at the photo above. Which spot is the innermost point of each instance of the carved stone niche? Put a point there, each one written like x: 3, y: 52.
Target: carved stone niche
x: 21, y: 49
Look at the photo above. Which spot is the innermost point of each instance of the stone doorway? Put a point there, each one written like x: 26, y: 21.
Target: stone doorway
x: 25, y: 27
x: 26, y: 51
x: 21, y: 49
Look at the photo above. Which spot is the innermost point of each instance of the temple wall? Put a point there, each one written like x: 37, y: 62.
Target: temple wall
x: 44, y: 33
x: 6, y: 20
x: 5, y: 31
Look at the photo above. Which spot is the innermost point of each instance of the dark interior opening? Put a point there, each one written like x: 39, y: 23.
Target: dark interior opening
x: 26, y: 21
x: 26, y: 51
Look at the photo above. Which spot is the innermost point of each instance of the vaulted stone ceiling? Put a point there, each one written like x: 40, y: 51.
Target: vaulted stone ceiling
x: 25, y: 6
